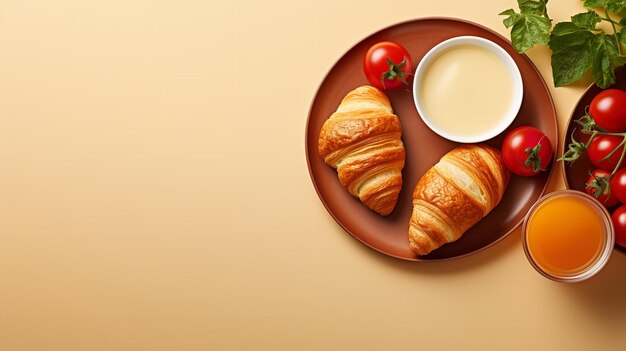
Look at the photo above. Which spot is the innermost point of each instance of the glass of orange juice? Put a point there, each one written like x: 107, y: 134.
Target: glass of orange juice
x: 568, y: 236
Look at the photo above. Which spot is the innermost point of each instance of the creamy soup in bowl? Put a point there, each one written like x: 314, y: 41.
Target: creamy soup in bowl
x: 467, y: 89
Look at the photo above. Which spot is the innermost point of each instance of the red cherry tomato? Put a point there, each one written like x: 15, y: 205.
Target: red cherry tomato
x: 526, y: 151
x: 387, y: 65
x: 618, y: 185
x: 608, y: 110
x: 603, y: 145
x: 619, y: 223
x: 599, y: 187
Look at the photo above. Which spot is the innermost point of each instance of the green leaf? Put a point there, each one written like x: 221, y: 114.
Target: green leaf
x: 512, y: 19
x: 529, y: 31
x: 507, y: 12
x: 531, y: 26
x: 563, y: 28
x: 576, y: 48
x: 616, y: 6
x: 533, y: 7
x: 606, y: 59
x: 587, y: 20
x: 572, y: 53
x: 596, y: 3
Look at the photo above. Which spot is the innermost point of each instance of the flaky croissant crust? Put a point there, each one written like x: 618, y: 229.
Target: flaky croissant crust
x: 362, y: 140
x: 452, y: 196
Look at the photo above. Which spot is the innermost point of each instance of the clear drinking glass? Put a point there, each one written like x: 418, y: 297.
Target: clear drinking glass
x: 606, y: 250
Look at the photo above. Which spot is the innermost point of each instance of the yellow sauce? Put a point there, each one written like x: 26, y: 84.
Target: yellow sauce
x: 466, y: 91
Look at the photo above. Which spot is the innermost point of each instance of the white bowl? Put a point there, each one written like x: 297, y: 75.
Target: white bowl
x: 507, y: 60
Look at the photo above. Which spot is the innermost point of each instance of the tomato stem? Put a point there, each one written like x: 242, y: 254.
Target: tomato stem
x: 593, y: 135
x: 395, y: 71
x: 533, y: 160
x: 615, y: 31
x: 600, y: 184
x: 621, y: 158
x: 614, y: 150
x: 576, y: 148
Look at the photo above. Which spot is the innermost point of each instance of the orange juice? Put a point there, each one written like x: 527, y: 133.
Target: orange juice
x: 566, y: 234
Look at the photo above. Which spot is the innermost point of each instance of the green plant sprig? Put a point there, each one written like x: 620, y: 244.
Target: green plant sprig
x: 576, y: 148
x: 578, y: 45
x: 600, y: 185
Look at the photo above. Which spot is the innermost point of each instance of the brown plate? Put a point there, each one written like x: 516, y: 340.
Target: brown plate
x: 576, y: 173
x: 424, y: 148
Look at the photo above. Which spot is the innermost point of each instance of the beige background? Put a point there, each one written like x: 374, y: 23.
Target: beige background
x: 154, y: 193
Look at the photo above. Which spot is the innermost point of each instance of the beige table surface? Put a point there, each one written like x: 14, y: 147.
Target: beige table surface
x: 154, y: 193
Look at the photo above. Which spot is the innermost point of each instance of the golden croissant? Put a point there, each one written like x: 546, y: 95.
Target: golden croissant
x: 453, y: 195
x: 362, y: 141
